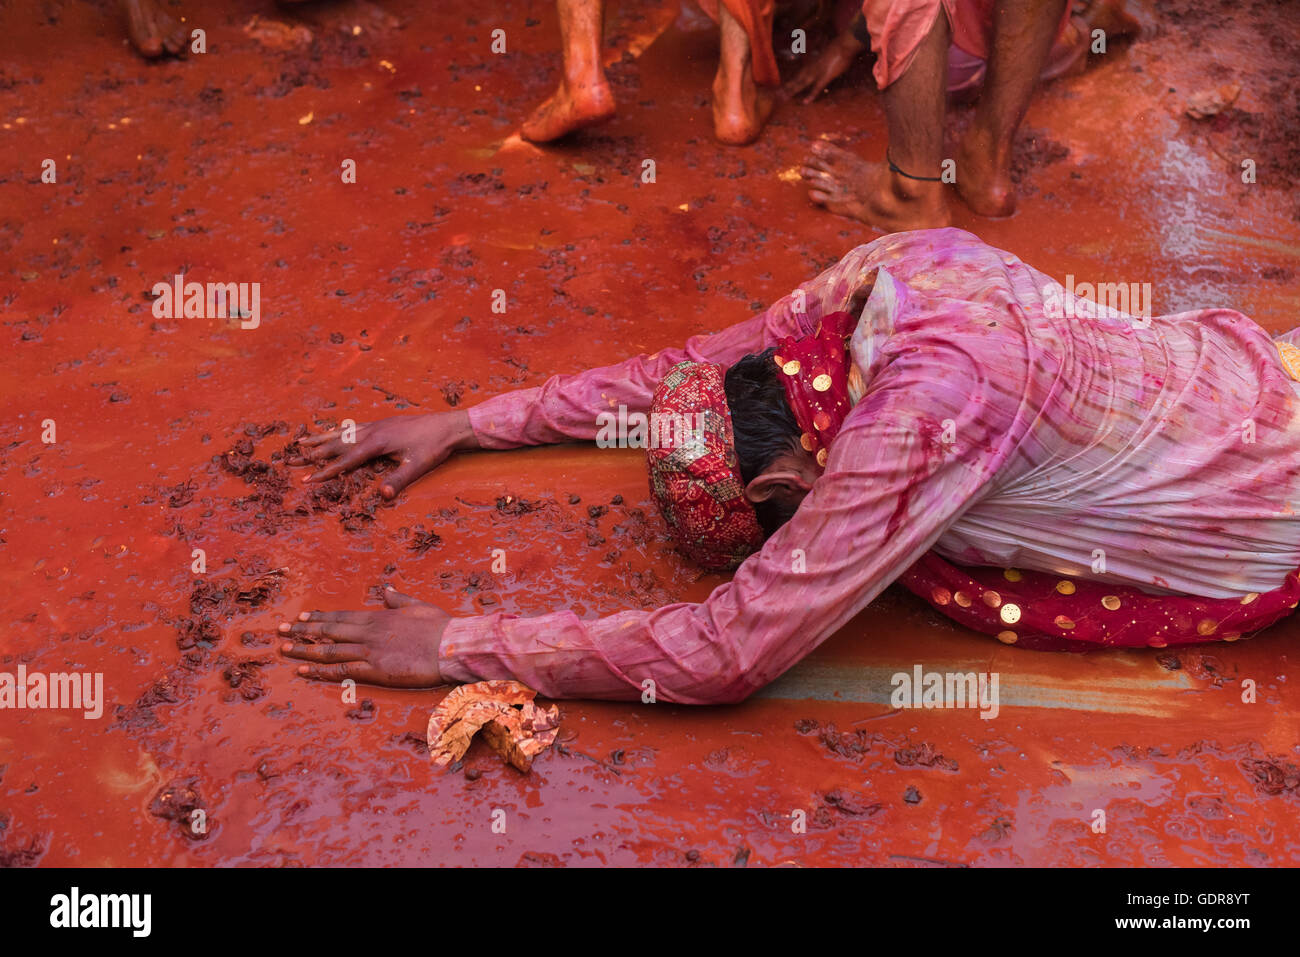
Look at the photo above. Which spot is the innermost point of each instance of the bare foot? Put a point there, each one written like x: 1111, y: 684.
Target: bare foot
x: 984, y: 174
x: 571, y: 107
x: 740, y: 109
x: 849, y: 186
x: 154, y: 32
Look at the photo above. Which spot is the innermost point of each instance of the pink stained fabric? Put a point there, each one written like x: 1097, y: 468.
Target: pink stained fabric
x: 1025, y: 608
x: 994, y: 430
x: 897, y: 28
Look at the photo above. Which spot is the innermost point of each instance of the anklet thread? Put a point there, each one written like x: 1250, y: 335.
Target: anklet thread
x: 893, y: 168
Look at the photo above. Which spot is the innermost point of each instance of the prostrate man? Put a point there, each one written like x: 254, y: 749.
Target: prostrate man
x: 929, y: 410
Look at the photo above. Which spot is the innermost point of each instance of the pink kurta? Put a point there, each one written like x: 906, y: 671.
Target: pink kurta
x: 993, y: 431
x: 897, y: 28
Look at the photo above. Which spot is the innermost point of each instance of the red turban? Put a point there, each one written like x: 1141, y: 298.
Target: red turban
x: 695, y: 475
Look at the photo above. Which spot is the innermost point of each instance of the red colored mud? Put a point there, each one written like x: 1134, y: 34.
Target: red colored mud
x: 376, y: 300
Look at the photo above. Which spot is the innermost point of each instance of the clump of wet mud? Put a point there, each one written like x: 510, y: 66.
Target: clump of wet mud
x: 923, y: 756
x: 214, y: 602
x: 244, y: 675
x: 1034, y: 150
x: 275, y: 501
x: 421, y: 541
x: 177, y: 801
x: 25, y: 854
x: 165, y: 690
x: 846, y: 744
x: 847, y: 804
x: 1273, y: 776
x: 855, y: 744
x: 364, y: 711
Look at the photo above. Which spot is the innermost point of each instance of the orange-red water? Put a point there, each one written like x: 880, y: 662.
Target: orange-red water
x: 226, y: 166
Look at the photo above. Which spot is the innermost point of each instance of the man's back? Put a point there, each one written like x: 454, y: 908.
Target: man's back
x: 1158, y: 452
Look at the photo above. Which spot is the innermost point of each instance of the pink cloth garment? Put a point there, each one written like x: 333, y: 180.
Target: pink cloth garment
x: 1026, y: 608
x: 997, y: 428
x: 897, y: 28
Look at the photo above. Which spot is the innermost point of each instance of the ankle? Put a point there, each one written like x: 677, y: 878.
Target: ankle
x: 919, y: 192
x: 995, y: 145
x: 733, y: 77
x: 584, y: 77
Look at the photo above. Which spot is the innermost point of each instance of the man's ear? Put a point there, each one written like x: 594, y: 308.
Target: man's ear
x: 770, y: 484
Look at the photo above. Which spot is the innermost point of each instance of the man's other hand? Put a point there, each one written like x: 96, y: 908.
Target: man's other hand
x: 395, y: 646
x: 420, y: 443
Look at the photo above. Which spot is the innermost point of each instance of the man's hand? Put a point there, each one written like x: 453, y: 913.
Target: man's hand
x: 395, y: 646
x: 830, y: 64
x: 420, y: 443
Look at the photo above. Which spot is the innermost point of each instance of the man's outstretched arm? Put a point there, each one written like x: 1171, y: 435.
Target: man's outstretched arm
x: 565, y: 407
x: 889, y: 492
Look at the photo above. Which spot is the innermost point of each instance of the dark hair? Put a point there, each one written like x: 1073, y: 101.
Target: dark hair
x: 763, y: 425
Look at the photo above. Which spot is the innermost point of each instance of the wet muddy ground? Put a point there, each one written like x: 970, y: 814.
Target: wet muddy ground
x: 376, y: 299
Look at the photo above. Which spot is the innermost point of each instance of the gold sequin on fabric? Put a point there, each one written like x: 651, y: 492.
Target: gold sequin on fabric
x: 822, y: 383
x: 806, y: 441
x: 1065, y: 587
x: 792, y: 367
x: 1231, y: 635
x: 1065, y: 624
x: 1112, y: 602
x: 941, y: 596
x: 821, y: 421
x: 1249, y: 598
x: 822, y: 456
x: 1012, y: 575
x: 962, y: 599
x: 1157, y: 642
x: 1007, y: 637
x: 1207, y: 626
x: 992, y: 599
x: 1009, y: 613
